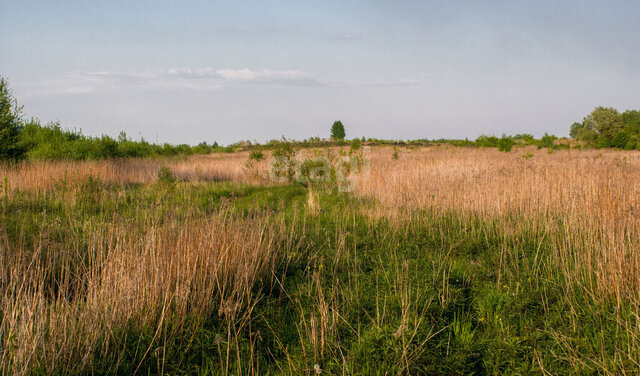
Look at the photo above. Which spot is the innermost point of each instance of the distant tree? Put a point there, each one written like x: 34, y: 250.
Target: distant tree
x: 10, y: 123
x: 607, y: 121
x: 337, y: 131
x: 575, y: 130
x: 586, y: 134
x: 606, y: 127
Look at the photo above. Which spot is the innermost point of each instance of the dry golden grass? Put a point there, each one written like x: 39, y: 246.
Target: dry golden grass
x: 604, y: 183
x: 41, y: 176
x: 595, y: 194
x: 590, y: 196
x: 187, y: 269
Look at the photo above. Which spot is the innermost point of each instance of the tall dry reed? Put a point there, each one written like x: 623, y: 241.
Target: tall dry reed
x: 68, y: 305
x: 589, y: 198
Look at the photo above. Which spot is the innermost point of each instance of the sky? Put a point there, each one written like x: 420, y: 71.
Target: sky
x: 191, y: 71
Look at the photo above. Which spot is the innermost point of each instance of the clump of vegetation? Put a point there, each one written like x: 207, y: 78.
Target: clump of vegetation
x: 606, y: 127
x: 356, y: 144
x: 256, y: 155
x: 505, y: 143
x: 395, y: 156
x: 166, y: 177
x: 90, y: 191
x: 285, y: 162
x: 547, y: 141
x: 53, y: 142
x: 251, y: 167
x: 527, y: 155
x: 485, y: 141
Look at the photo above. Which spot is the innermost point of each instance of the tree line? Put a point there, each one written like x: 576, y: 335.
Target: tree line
x: 30, y: 139
x: 606, y: 127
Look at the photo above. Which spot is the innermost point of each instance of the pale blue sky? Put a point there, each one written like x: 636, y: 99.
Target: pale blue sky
x: 188, y: 71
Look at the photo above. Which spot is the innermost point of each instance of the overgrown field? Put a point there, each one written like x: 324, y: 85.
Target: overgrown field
x: 442, y: 260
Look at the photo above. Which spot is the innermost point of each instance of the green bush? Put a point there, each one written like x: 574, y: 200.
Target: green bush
x: 53, y: 142
x: 285, y: 163
x: 547, y: 141
x: 487, y: 141
x: 166, y: 177
x: 256, y: 155
x: 505, y: 143
x: 356, y: 144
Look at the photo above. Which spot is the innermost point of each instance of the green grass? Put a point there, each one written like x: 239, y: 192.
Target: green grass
x: 433, y: 293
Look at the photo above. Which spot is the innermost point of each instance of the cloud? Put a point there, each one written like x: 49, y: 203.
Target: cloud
x: 199, y: 79
x: 191, y: 73
x: 229, y: 75
x: 184, y: 78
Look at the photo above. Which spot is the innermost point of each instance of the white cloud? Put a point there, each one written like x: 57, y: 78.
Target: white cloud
x: 198, y: 79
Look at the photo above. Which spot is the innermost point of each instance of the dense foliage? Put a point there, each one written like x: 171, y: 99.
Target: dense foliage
x: 53, y: 142
x: 606, y: 127
x: 10, y: 125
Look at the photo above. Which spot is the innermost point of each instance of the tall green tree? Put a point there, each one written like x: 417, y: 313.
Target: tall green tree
x: 575, y: 129
x: 607, y: 121
x: 10, y: 123
x: 631, y: 119
x: 337, y: 131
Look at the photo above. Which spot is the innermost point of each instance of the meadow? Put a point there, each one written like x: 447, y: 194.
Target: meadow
x: 438, y: 260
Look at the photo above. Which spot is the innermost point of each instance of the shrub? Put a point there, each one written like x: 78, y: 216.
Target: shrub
x: 527, y: 155
x: 355, y: 145
x: 505, y: 144
x: 547, y: 141
x: 284, y: 164
x: 395, y: 155
x: 256, y: 155
x: 90, y: 192
x: 487, y: 141
x: 525, y: 138
x: 166, y: 177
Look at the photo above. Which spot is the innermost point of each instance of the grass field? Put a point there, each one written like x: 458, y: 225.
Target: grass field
x: 441, y: 260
